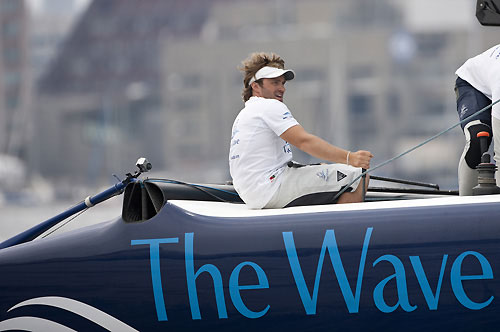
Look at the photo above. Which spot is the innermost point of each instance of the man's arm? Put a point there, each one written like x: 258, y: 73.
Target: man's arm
x: 321, y: 149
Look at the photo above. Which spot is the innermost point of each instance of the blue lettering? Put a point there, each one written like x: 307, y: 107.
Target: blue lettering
x: 378, y: 293
x: 432, y: 300
x: 457, y: 277
x: 234, y: 289
x: 309, y: 298
x: 329, y: 242
x: 154, y: 257
x: 191, y: 281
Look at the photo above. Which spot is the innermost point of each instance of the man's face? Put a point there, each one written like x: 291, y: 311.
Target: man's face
x: 272, y: 88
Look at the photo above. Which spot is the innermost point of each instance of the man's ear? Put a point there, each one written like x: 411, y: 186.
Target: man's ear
x: 255, y: 87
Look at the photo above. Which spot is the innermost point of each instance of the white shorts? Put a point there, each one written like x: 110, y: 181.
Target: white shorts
x: 313, y: 184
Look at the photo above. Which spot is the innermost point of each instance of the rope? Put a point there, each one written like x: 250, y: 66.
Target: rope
x: 414, y: 148
x: 65, y: 223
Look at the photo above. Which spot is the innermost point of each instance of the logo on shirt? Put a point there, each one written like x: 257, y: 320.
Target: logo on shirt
x: 323, y: 175
x: 340, y: 176
x: 496, y: 53
x: 287, y: 115
x: 286, y: 148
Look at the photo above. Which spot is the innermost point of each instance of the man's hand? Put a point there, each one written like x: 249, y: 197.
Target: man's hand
x: 360, y: 158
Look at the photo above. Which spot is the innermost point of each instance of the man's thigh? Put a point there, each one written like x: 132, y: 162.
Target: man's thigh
x: 313, y: 184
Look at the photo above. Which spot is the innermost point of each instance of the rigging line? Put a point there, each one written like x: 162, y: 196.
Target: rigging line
x: 414, y: 148
x: 65, y: 223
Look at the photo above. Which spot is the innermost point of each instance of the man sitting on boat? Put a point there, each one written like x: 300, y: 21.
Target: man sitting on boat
x: 260, y: 156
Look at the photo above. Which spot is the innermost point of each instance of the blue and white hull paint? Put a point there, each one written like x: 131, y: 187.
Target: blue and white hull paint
x: 412, y: 265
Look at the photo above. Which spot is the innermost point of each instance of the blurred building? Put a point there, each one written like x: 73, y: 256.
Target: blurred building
x: 159, y: 78
x: 15, y: 78
x: 99, y: 103
x: 3, y: 111
x: 51, y: 22
x: 369, y: 76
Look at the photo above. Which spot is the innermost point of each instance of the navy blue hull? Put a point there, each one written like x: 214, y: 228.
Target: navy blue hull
x: 412, y: 269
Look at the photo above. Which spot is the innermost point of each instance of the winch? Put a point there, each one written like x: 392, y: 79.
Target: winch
x: 485, y: 170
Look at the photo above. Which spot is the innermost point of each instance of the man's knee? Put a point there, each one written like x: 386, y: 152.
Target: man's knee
x: 355, y: 196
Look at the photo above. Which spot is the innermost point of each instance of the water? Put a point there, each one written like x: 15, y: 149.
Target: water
x: 18, y: 218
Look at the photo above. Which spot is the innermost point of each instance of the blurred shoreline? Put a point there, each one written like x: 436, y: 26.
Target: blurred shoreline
x: 15, y: 218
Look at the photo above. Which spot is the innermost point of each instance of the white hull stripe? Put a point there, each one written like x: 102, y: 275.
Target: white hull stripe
x: 84, y: 310
x: 34, y: 324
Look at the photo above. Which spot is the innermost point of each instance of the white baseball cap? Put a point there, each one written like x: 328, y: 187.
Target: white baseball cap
x: 272, y: 72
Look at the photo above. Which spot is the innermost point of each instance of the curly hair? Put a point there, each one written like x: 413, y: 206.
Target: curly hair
x: 251, y: 65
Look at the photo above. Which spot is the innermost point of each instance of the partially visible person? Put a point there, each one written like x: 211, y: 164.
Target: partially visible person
x: 260, y: 156
x: 477, y: 84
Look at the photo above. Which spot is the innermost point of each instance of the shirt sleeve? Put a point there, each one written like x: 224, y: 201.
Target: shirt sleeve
x: 278, y: 117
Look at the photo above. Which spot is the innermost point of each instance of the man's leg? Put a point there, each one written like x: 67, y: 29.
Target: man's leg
x: 496, y: 145
x: 357, y: 195
x: 469, y: 101
x: 471, y: 157
x: 316, y: 184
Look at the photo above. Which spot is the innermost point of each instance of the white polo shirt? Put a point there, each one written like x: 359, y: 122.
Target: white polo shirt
x: 258, y: 155
x: 483, y: 73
